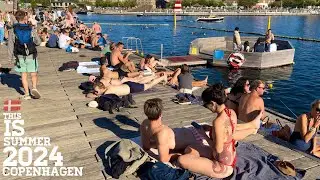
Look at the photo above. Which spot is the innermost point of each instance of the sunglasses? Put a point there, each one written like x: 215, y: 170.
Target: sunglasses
x: 318, y: 110
x: 262, y: 88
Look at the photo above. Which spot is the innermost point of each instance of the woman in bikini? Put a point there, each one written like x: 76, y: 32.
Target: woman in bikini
x: 220, y: 158
x: 305, y: 130
x: 233, y: 98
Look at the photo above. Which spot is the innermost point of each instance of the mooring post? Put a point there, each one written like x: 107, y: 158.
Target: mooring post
x: 161, y: 49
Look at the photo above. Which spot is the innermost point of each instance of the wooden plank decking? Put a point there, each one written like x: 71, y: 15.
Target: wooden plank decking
x: 82, y: 133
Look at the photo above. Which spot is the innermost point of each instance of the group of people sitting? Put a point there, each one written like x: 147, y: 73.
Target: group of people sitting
x: 120, y: 76
x: 67, y: 32
x: 210, y: 149
x: 267, y: 45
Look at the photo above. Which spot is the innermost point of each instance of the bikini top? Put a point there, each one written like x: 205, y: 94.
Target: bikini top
x: 232, y: 141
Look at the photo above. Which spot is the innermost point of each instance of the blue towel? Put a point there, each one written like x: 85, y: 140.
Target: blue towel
x: 253, y: 163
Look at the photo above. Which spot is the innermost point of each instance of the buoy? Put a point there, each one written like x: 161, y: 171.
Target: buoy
x: 270, y: 86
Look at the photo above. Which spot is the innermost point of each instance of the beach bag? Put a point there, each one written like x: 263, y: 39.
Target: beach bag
x: 24, y: 44
x: 124, y: 158
x: 160, y: 171
x: 284, y: 133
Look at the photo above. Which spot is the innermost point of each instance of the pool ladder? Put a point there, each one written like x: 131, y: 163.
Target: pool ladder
x: 133, y: 44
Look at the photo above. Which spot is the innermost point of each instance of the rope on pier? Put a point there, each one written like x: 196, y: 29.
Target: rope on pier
x: 253, y: 33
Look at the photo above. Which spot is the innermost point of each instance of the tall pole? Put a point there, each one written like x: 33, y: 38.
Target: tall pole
x: 174, y: 20
x: 269, y: 23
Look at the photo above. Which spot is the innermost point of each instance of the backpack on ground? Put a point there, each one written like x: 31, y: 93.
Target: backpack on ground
x: 24, y: 44
x: 124, y: 158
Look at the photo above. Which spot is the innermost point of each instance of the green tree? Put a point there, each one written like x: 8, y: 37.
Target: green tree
x: 100, y: 3
x: 33, y: 3
x: 247, y: 3
x: 45, y: 3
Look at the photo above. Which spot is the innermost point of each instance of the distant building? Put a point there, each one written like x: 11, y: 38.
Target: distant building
x: 264, y: 3
x: 90, y: 1
x: 151, y: 3
x: 61, y: 3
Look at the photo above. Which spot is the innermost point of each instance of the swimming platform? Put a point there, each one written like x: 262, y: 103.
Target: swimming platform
x: 82, y: 133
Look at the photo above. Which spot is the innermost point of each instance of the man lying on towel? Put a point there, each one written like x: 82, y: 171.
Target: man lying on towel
x: 123, y: 89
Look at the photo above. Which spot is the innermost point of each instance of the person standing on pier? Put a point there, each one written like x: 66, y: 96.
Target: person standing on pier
x: 269, y: 39
x: 24, y: 40
x: 237, y: 40
x: 96, y: 28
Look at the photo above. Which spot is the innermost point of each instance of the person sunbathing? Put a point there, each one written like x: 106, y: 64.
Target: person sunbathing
x: 220, y: 158
x: 170, y: 143
x: 305, y: 130
x: 105, y: 72
x: 126, y: 87
x: 149, y: 63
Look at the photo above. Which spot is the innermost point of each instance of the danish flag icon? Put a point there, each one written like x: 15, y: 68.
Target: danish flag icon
x: 12, y: 105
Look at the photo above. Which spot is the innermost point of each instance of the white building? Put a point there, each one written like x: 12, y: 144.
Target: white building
x: 61, y: 3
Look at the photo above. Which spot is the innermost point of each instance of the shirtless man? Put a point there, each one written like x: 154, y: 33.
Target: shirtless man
x: 169, y: 142
x: 123, y: 89
x: 96, y: 28
x: 117, y: 59
x: 251, y: 104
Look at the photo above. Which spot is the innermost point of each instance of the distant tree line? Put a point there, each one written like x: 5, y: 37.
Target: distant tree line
x: 295, y: 3
x: 110, y: 3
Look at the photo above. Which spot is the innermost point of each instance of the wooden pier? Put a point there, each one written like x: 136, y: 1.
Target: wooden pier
x: 82, y: 133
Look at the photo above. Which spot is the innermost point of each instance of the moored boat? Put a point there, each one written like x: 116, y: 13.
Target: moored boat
x: 219, y: 52
x: 211, y: 18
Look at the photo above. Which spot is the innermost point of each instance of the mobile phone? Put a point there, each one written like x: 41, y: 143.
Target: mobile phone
x: 196, y: 125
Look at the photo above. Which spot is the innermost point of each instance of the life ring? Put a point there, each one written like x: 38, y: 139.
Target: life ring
x: 235, y: 60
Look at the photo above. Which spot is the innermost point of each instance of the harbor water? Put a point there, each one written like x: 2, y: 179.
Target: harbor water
x: 296, y: 86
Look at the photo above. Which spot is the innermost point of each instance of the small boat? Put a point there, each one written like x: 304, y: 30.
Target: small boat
x: 85, y: 12
x: 221, y: 52
x: 141, y: 14
x: 211, y: 18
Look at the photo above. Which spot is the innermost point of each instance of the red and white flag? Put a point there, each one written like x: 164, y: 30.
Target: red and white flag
x: 177, y: 6
x: 11, y: 105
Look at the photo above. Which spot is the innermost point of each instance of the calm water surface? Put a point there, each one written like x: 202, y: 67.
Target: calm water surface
x: 297, y: 86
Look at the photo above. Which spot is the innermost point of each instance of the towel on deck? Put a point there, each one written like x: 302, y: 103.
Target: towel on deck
x: 253, y: 163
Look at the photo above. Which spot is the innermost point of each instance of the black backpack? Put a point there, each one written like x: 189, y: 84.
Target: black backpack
x: 24, y: 44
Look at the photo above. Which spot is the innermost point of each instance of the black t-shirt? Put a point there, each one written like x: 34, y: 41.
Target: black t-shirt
x: 185, y: 81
